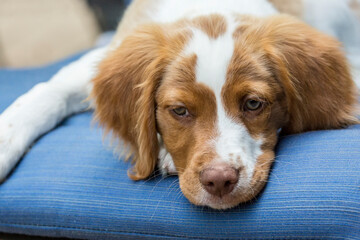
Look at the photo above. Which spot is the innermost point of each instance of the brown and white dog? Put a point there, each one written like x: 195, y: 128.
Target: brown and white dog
x: 200, y: 88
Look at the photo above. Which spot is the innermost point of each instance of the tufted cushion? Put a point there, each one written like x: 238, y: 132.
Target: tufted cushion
x: 71, y: 185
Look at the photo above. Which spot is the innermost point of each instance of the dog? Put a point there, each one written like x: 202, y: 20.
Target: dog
x: 198, y: 88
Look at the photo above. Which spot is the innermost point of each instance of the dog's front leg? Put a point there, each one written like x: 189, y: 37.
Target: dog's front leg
x: 43, y: 107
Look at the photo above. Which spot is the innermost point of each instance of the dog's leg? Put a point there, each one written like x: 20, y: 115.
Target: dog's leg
x: 43, y: 107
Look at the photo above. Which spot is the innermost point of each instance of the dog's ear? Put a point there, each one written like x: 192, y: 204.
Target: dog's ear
x: 124, y: 93
x: 313, y: 72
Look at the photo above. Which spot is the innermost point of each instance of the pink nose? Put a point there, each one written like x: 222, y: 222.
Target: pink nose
x: 219, y: 179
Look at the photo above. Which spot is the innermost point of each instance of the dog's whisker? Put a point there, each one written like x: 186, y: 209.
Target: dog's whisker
x: 155, y: 186
x: 172, y: 186
x: 141, y: 184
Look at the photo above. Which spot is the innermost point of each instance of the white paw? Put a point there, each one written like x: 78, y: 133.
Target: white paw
x: 166, y: 163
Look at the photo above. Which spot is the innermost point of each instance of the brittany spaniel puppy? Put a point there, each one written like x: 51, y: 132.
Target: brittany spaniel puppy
x: 201, y: 89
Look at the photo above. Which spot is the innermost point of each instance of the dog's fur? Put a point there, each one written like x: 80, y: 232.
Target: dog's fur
x: 177, y: 85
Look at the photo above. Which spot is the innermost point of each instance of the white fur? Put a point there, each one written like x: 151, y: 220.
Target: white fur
x: 43, y: 107
x: 165, y: 162
x: 233, y: 144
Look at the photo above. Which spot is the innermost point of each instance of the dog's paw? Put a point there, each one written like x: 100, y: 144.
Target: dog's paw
x: 166, y: 163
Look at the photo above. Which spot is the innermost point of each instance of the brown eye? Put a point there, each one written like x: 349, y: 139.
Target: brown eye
x: 181, y: 111
x: 252, y: 105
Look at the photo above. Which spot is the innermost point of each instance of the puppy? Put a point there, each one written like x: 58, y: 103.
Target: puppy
x: 201, y: 88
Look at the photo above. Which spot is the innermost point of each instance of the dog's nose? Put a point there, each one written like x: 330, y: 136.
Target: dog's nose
x: 219, y: 179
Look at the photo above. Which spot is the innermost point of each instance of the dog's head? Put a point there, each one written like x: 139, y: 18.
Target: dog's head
x: 218, y: 90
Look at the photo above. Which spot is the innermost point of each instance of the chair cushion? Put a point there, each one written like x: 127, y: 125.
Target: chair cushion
x: 70, y: 184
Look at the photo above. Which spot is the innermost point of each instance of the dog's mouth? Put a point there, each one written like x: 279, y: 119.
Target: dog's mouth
x: 220, y: 203
x: 231, y: 200
x: 200, y: 196
x: 226, y: 190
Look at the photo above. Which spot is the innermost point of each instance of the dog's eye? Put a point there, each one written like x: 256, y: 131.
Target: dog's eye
x: 181, y: 111
x: 252, y: 105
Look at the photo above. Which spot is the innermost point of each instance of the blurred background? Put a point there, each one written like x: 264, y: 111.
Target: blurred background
x: 38, y: 32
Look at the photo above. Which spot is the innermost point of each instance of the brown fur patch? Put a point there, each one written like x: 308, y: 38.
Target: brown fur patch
x: 124, y: 90
x: 311, y: 68
x: 213, y: 25
x: 185, y: 138
x: 249, y: 76
x: 188, y: 140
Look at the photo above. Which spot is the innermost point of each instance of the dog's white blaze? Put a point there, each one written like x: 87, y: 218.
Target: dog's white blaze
x: 233, y: 143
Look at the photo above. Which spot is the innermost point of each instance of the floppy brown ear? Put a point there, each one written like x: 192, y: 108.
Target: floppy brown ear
x: 124, y: 90
x: 314, y: 74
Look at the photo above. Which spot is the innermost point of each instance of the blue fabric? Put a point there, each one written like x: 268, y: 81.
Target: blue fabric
x: 70, y: 185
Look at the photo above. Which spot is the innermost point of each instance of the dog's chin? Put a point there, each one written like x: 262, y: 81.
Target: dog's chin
x: 218, y: 203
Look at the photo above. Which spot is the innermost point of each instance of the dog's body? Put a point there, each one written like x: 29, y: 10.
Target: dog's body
x: 199, y: 87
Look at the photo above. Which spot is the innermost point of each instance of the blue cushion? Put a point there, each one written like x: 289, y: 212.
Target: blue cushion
x: 71, y: 185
